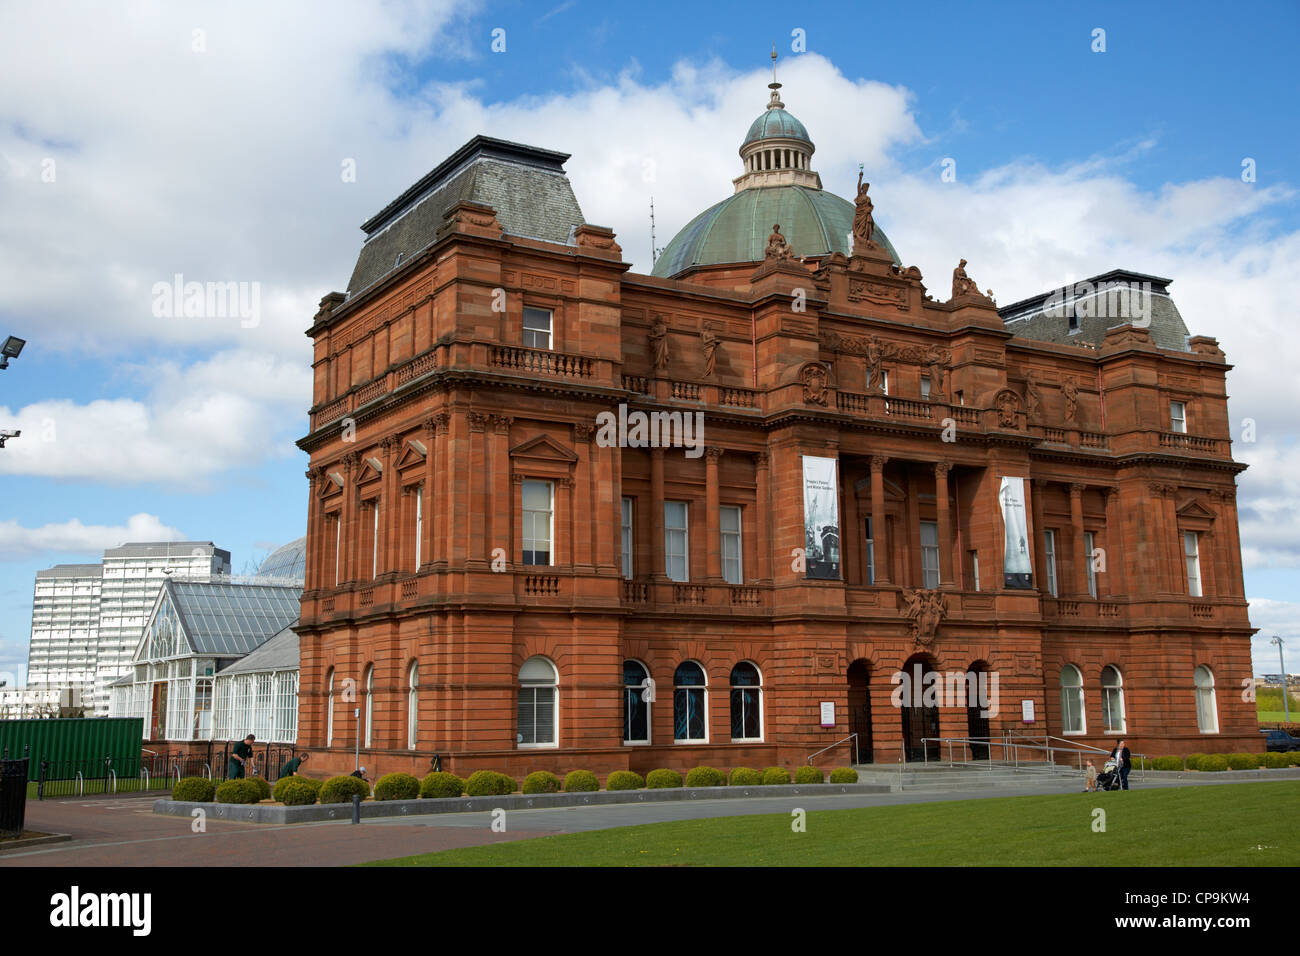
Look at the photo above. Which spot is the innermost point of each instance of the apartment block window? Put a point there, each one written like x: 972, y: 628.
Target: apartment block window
x: 732, y: 569
x: 537, y: 328
x: 538, y: 511
x: 1192, y: 552
x: 929, y: 554
x: 1049, y: 558
x: 871, y: 553
x: 1178, y: 417
x: 676, y: 541
x: 974, y: 557
x: 1089, y: 548
x: 627, y: 538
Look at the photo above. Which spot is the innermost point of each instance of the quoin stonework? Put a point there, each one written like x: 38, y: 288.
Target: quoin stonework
x: 895, y: 478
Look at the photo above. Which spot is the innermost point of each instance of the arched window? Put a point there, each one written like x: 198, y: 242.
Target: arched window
x: 329, y: 709
x: 370, y: 702
x: 413, y: 705
x: 538, y: 703
x: 1072, y: 721
x: 1207, y: 713
x: 636, y: 703
x: 1112, y: 700
x: 746, y: 702
x: 690, y: 703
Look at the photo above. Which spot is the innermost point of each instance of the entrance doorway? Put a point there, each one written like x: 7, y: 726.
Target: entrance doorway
x: 977, y: 721
x: 919, y: 721
x: 860, y: 707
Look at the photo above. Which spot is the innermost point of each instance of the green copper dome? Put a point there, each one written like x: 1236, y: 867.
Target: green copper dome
x: 813, y: 221
x: 776, y: 123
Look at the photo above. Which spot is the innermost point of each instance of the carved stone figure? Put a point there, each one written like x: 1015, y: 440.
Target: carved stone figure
x: 962, y: 284
x: 659, y: 342
x: 1033, y: 398
x: 926, y: 608
x: 1071, y: 393
x: 709, y: 342
x: 864, y: 226
x: 936, y: 360
x: 875, y: 357
x: 777, y: 246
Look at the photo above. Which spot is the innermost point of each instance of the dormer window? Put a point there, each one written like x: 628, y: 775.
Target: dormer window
x: 537, y: 328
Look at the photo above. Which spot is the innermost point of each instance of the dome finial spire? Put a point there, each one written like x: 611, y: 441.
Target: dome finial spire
x: 775, y: 102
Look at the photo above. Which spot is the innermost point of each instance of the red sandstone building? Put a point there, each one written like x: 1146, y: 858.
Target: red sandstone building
x: 885, y: 479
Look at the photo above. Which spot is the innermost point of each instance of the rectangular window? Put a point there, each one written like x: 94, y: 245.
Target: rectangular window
x: 1192, y: 551
x: 1089, y: 546
x: 536, y: 716
x: 627, y: 538
x: 929, y: 554
x: 732, y: 568
x: 871, y: 554
x: 538, y: 497
x: 1178, y: 417
x: 676, y: 541
x: 974, y: 569
x: 1049, y: 558
x: 925, y: 386
x: 537, y: 328
x: 419, y: 522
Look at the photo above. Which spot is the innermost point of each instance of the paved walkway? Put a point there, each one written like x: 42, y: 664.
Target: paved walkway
x: 125, y: 832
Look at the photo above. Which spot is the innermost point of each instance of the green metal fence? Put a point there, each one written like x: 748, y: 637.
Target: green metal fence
x: 72, y: 740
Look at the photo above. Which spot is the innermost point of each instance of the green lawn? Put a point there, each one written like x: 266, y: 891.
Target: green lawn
x: 1249, y: 824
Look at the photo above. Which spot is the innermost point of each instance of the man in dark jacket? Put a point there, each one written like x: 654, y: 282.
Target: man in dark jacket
x: 291, y: 767
x: 240, y: 754
x: 1123, y: 762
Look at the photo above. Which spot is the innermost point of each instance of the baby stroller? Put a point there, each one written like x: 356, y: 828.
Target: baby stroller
x: 1108, y: 779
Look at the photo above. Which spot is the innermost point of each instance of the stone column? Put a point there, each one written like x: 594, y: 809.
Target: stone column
x: 1078, y: 549
x: 427, y: 545
x: 499, y: 510
x: 1116, y: 549
x: 713, y: 540
x: 350, y: 539
x: 565, y: 506
x: 1038, y: 535
x: 878, y: 531
x: 477, y: 487
x: 852, y: 562
x: 392, y: 517
x: 941, y: 470
x: 315, y: 531
x: 582, y: 504
x: 657, y: 569
x: 762, y: 518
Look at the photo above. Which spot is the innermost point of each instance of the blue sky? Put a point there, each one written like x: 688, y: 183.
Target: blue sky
x: 222, y: 163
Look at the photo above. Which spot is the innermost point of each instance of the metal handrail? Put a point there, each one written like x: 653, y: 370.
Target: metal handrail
x: 207, y: 770
x: 81, y: 785
x: 852, y: 737
x: 112, y: 776
x: 1074, y: 747
x: 144, y: 772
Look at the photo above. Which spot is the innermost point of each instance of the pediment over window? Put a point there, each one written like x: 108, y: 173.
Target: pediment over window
x: 543, y: 448
x: 1194, y: 514
x: 413, y: 454
x: 372, y: 469
x: 332, y: 485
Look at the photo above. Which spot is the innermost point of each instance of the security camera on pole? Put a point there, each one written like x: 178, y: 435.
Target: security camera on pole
x: 11, y: 349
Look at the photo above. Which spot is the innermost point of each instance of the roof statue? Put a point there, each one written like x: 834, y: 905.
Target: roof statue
x: 864, y: 226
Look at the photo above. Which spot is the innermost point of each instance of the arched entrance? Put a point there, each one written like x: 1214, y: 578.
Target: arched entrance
x: 859, y: 677
x: 977, y: 721
x: 919, y: 720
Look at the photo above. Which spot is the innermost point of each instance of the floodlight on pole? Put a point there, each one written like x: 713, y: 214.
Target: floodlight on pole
x: 1286, y: 708
x: 12, y: 348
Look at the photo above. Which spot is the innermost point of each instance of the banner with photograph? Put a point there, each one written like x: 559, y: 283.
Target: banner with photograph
x: 1017, y: 567
x: 821, y: 517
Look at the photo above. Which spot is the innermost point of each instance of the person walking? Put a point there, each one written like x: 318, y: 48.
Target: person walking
x: 240, y: 755
x: 1090, y: 778
x: 1123, y: 762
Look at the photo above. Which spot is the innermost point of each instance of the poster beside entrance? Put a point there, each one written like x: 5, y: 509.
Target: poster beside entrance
x: 1016, y: 565
x: 821, y: 518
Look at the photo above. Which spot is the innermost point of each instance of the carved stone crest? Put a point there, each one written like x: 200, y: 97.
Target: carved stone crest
x: 926, y: 608
x: 815, y: 383
x: 1007, y: 403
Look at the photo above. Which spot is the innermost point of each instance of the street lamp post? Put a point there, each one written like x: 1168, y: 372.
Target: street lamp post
x: 1286, y: 707
x: 356, y: 712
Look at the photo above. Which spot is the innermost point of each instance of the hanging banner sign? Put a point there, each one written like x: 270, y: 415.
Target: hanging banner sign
x: 821, y: 518
x: 1016, y: 565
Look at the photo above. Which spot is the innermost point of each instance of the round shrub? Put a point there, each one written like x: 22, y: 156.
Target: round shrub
x: 441, y: 784
x: 1243, y: 761
x: 581, y: 781
x: 238, y: 791
x: 1212, y: 763
x: 1167, y: 763
x: 397, y: 786
x: 1293, y: 758
x: 1193, y: 761
x: 263, y: 787
x: 541, y: 781
x: 489, y: 783
x: 312, y: 782
x: 295, y: 792
x: 744, y: 777
x: 844, y: 775
x: 1272, y: 761
x: 624, y: 780
x: 341, y: 789
x: 277, y: 792
x: 705, y: 777
x: 806, y: 774
x: 662, y: 780
x: 775, y: 776
x: 202, y: 790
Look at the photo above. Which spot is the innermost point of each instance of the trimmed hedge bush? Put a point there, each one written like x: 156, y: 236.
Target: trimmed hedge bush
x: 341, y: 789
x: 807, y: 774
x: 238, y: 791
x: 744, y: 777
x: 195, y: 790
x: 844, y: 775
x: 1243, y: 761
x: 1294, y: 758
x: 489, y: 783
x: 313, y: 785
x: 705, y: 777
x: 775, y: 776
x: 541, y: 781
x: 263, y: 787
x: 1212, y: 763
x: 662, y: 780
x: 581, y: 781
x: 441, y: 784
x: 397, y: 786
x: 624, y: 780
x: 1275, y: 760
x: 1167, y: 763
x: 295, y: 792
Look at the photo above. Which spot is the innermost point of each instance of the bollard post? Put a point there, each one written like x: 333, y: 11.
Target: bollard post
x: 356, y: 808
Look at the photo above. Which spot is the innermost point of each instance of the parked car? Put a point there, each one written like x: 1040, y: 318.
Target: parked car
x: 1279, y: 741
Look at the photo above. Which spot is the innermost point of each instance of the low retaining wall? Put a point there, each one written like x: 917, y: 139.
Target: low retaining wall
x: 266, y: 813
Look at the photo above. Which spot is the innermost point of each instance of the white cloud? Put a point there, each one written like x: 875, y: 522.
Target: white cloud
x: 1281, y: 618
x: 72, y: 537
